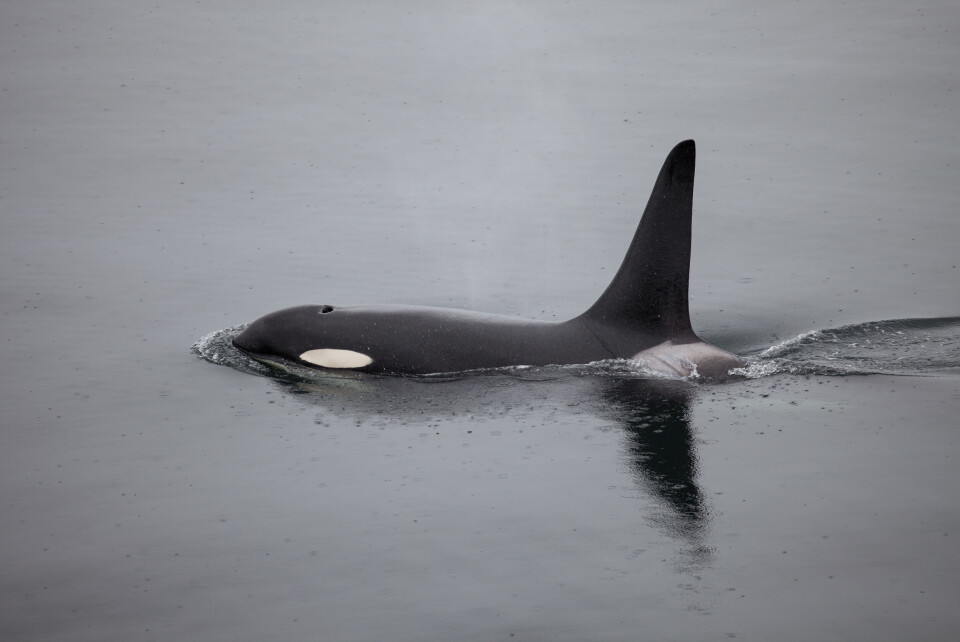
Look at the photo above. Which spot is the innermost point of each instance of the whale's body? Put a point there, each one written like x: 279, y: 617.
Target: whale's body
x: 643, y: 315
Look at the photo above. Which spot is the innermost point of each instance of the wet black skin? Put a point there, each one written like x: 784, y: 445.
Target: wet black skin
x: 423, y: 340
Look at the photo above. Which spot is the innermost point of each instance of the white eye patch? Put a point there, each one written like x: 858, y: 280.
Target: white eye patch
x: 332, y: 358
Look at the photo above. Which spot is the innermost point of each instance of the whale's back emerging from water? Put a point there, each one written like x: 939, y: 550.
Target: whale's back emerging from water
x: 643, y: 314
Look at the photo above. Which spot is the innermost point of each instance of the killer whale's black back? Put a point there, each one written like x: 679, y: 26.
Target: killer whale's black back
x: 650, y: 289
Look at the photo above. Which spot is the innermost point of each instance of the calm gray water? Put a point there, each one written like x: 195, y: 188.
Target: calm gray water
x: 173, y: 171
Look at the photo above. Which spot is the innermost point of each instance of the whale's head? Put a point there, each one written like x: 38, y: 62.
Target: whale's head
x: 306, y: 335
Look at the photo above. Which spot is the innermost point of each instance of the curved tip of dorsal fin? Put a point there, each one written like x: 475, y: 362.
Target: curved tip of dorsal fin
x: 650, y: 288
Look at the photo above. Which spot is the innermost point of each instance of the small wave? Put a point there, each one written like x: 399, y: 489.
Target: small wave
x: 217, y: 348
x: 909, y: 347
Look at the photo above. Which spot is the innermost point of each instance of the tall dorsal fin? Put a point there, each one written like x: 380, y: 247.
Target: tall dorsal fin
x: 650, y: 288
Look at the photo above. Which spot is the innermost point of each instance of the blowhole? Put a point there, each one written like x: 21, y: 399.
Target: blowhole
x: 325, y: 309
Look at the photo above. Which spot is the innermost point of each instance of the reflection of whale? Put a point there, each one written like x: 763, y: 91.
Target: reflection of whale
x: 660, y: 443
x: 643, y: 314
x: 653, y: 415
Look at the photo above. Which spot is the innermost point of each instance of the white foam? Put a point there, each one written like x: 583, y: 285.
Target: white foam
x: 788, y: 345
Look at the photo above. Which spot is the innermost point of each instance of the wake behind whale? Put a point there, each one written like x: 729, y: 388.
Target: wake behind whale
x: 909, y: 347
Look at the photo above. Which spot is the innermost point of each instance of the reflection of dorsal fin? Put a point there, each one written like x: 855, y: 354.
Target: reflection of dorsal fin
x: 649, y: 290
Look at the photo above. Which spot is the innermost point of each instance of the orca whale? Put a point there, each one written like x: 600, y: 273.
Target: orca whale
x: 642, y: 315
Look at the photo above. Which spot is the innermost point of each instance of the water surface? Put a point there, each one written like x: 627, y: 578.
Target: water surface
x: 171, y: 172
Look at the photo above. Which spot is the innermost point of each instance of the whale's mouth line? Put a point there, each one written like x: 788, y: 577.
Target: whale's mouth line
x: 261, y: 357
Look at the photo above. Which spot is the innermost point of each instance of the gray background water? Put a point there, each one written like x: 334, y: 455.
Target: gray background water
x: 173, y: 169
